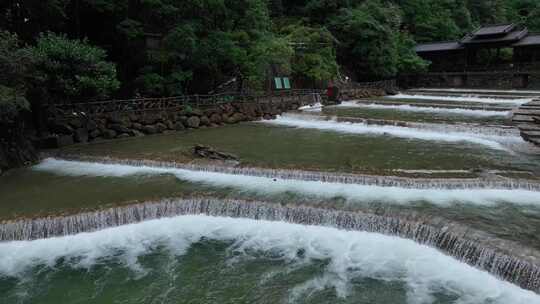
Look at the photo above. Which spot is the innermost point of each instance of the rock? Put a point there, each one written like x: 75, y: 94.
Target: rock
x: 119, y: 128
x: 193, y: 122
x: 137, y: 133
x: 114, y: 119
x: 65, y: 140
x: 137, y: 126
x: 109, y: 134
x: 123, y: 135
x: 267, y: 116
x: 75, y: 123
x: 149, y: 130
x: 183, y: 120
x: 94, y: 133
x: 160, y: 127
x: 215, y: 118
x: 178, y: 126
x: 150, y: 119
x: 61, y: 128
x: 169, y: 124
x: 205, y: 121
x: 134, y: 118
x: 91, y: 125
x: 211, y: 153
x: 237, y: 117
x: 81, y: 135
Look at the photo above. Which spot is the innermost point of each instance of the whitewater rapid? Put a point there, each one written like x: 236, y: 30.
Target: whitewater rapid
x: 470, y: 98
x: 495, y: 142
x: 352, y: 256
x: 417, y: 109
x: 270, y: 186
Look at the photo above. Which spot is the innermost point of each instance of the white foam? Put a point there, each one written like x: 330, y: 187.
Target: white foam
x: 410, y: 108
x: 352, y: 255
x: 265, y: 185
x: 317, y: 107
x: 298, y: 121
x: 471, y: 98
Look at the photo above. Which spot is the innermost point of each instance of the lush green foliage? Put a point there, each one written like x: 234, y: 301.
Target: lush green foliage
x: 73, y: 69
x: 168, y: 47
x: 14, y: 71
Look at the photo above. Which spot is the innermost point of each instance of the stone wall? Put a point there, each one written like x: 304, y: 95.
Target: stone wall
x: 78, y: 128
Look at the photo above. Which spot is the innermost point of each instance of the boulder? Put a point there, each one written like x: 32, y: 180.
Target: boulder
x: 149, y: 119
x: 137, y: 126
x: 91, y: 125
x: 149, y: 130
x: 160, y: 127
x: 114, y: 119
x: 169, y: 124
x: 119, y: 128
x: 94, y: 133
x: 61, y: 128
x: 178, y: 126
x: 237, y: 117
x: 193, y: 122
x: 109, y: 134
x: 76, y: 123
x: 215, y: 118
x: 205, y: 121
x: 81, y: 135
x: 134, y: 118
x: 137, y: 133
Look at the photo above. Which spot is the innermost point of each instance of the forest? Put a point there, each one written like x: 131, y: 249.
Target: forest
x: 75, y: 50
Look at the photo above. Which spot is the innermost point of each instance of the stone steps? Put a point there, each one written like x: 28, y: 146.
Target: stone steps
x: 527, y: 119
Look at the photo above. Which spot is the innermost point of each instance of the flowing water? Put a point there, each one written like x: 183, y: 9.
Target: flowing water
x: 413, y: 113
x: 201, y: 259
x: 462, y: 170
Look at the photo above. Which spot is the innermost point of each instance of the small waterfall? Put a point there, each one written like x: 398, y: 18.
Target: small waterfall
x: 424, y: 109
x: 463, y: 98
x: 504, y: 260
x: 508, y: 132
x: 329, y: 177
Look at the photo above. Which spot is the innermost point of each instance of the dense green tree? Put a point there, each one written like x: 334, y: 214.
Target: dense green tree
x: 314, y: 56
x: 72, y: 69
x: 15, y: 63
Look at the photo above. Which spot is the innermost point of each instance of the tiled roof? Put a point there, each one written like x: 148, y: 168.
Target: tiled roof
x: 438, y: 46
x: 533, y: 39
x: 509, y: 37
x: 494, y: 30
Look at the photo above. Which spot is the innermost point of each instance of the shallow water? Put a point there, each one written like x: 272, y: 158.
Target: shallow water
x: 264, y: 145
x: 418, y: 114
x: 71, y: 186
x: 200, y: 259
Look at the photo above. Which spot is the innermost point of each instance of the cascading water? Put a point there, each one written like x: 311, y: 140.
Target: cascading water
x: 462, y: 244
x: 351, y: 186
x: 428, y: 132
x: 425, y: 109
x: 471, y: 98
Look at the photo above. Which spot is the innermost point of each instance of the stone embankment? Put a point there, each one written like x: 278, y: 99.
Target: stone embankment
x: 81, y: 128
x: 527, y: 119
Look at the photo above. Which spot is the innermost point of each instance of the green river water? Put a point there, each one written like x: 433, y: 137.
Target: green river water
x: 199, y: 259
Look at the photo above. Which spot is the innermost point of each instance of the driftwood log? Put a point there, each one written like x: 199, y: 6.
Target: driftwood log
x: 210, y: 153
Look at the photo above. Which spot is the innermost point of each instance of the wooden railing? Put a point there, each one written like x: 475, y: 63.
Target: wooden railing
x: 176, y: 102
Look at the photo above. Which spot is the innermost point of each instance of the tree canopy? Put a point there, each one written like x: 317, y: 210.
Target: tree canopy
x: 89, y: 48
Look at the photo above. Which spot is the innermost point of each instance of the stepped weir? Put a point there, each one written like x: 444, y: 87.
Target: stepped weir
x: 327, y: 177
x: 502, y: 259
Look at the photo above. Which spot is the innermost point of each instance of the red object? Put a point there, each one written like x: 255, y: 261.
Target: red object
x: 330, y: 92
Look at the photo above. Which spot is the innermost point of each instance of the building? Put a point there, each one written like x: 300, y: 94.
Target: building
x: 494, y: 56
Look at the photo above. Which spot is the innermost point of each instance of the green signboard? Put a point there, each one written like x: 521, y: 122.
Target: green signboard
x: 277, y: 80
x: 286, y: 83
